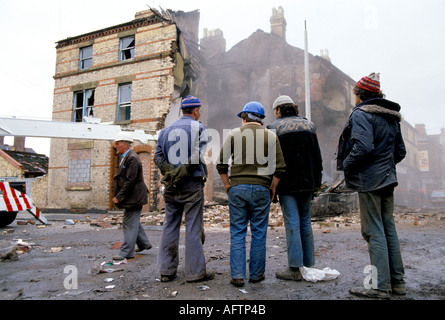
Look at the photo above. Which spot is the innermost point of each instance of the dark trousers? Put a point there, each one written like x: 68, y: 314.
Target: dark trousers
x: 379, y: 230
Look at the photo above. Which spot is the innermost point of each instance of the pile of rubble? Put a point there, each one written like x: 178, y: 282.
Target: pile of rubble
x: 215, y: 216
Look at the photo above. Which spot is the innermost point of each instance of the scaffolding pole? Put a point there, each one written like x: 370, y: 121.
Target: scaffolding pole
x: 306, y: 76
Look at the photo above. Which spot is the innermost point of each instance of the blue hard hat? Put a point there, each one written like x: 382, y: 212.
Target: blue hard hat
x: 254, y: 108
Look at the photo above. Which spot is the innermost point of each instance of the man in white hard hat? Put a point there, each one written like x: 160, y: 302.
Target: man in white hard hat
x: 131, y: 194
x: 299, y: 142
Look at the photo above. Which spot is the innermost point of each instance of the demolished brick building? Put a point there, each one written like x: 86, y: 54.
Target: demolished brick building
x: 264, y: 66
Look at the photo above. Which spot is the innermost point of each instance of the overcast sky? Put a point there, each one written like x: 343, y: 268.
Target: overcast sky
x: 403, y: 40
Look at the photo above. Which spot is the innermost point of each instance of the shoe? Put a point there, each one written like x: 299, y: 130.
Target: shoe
x: 399, y: 290
x: 165, y: 278
x: 257, y: 280
x: 208, y: 276
x: 139, y: 250
x: 118, y: 258
x: 369, y: 293
x: 237, y: 282
x: 289, y: 274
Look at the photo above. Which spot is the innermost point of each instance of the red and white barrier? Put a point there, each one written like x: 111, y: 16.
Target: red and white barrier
x: 14, y: 200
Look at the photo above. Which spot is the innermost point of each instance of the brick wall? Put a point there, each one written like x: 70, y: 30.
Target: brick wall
x: 81, y: 172
x: 8, y: 169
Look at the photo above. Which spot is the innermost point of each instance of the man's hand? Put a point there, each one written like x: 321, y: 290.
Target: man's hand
x: 225, y: 180
x: 273, y: 189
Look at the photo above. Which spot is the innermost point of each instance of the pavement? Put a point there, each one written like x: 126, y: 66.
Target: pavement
x: 59, y: 251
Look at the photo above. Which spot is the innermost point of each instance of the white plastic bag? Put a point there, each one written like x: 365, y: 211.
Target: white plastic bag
x: 314, y: 275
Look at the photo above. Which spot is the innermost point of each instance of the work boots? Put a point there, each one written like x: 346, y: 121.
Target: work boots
x: 290, y: 273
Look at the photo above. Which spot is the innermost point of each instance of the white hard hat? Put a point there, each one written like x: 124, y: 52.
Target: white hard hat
x: 124, y: 136
x: 282, y: 100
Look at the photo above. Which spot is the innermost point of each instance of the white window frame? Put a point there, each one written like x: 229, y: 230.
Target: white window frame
x: 123, y: 51
x: 121, y: 105
x: 87, y: 109
x: 83, y: 59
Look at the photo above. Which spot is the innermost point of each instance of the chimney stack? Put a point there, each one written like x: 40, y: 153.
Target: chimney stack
x: 420, y: 128
x: 278, y: 23
x: 213, y: 42
x: 19, y: 144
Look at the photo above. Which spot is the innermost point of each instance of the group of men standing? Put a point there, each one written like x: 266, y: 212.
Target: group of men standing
x: 258, y: 165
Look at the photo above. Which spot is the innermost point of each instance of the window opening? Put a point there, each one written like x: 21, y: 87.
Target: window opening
x: 86, y: 58
x: 126, y: 51
x: 83, y: 105
x: 124, y: 104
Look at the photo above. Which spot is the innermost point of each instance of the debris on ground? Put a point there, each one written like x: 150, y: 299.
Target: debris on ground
x: 8, y: 251
x: 314, y: 275
x: 101, y: 267
x: 56, y: 249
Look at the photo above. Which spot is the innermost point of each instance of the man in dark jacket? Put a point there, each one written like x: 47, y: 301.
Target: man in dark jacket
x: 131, y: 194
x: 302, y: 155
x: 369, y: 148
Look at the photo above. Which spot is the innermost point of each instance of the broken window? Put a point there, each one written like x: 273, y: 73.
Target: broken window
x: 126, y: 49
x: 83, y: 105
x: 86, y: 58
x: 124, y: 103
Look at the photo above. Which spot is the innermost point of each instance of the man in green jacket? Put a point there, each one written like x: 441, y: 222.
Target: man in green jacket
x: 257, y: 165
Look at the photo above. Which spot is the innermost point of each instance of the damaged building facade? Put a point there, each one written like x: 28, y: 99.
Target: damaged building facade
x: 135, y: 74
x: 130, y: 75
x: 264, y: 66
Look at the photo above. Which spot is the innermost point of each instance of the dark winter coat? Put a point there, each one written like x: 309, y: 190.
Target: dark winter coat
x: 301, y: 151
x: 130, y: 188
x: 371, y: 145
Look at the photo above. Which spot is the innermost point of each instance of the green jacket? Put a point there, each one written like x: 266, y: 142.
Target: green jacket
x: 255, y: 153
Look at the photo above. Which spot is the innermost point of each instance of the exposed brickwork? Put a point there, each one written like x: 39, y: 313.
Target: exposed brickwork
x: 151, y: 74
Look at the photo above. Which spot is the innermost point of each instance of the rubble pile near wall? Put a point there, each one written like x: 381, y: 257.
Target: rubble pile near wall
x: 335, y: 204
x: 215, y: 215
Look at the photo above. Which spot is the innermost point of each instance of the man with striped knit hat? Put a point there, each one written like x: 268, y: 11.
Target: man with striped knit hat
x: 369, y: 148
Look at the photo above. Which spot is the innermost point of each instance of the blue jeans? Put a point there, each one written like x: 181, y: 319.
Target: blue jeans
x: 248, y: 202
x: 297, y: 221
x: 379, y: 230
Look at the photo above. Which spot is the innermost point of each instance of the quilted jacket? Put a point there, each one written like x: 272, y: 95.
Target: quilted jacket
x: 371, y: 145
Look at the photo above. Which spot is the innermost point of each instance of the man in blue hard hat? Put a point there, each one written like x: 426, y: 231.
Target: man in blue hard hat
x: 179, y: 155
x: 256, y: 169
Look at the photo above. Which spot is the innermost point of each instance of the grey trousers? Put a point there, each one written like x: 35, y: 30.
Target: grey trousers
x: 189, y: 200
x: 379, y: 230
x: 134, y: 234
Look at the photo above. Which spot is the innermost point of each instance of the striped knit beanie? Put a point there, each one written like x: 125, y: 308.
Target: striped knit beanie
x: 190, y: 102
x: 370, y: 83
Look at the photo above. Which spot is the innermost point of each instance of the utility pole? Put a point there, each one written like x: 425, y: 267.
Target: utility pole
x: 306, y: 76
